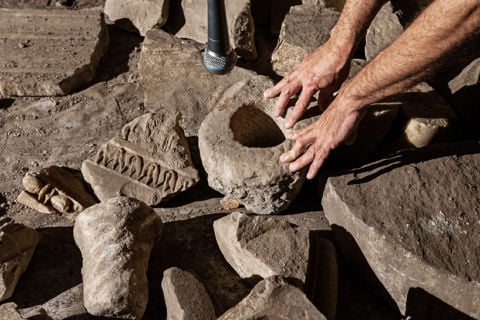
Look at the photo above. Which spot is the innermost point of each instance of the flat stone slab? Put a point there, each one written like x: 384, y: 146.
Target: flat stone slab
x: 173, y: 77
x: 273, y: 298
x: 49, y: 52
x: 415, y: 219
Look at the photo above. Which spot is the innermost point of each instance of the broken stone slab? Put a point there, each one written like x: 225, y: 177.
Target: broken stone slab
x: 305, y: 28
x: 49, y: 52
x: 240, y: 143
x: 185, y: 296
x: 173, y: 77
x: 273, y: 298
x: 116, y: 238
x: 55, y: 190
x: 384, y: 29
x: 137, y: 16
x: 189, y: 19
x: 17, y: 244
x: 150, y: 161
x: 9, y: 311
x: 414, y: 217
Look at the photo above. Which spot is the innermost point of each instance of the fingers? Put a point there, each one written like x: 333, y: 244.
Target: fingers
x: 300, y: 107
x: 318, y: 161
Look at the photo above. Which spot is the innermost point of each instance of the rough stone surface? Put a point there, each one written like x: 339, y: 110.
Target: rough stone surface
x: 185, y: 296
x: 55, y: 190
x: 49, y: 52
x: 8, y: 311
x: 383, y: 30
x: 263, y: 246
x: 271, y: 299
x: 237, y: 139
x: 278, y: 10
x: 173, y: 76
x: 150, y: 161
x: 189, y: 19
x: 67, y: 305
x: 17, y: 244
x: 304, y: 29
x: 139, y: 16
x: 415, y: 219
x: 115, y: 238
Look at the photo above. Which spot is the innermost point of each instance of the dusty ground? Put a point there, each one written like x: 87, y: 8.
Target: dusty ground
x: 38, y: 132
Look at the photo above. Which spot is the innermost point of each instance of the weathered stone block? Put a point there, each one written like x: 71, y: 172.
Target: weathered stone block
x: 150, y: 161
x: 115, y: 238
x: 305, y: 28
x: 273, y: 298
x: 139, y: 16
x: 189, y: 19
x: 49, y: 52
x: 17, y: 244
x: 9, y: 311
x: 55, y: 190
x: 383, y: 30
x: 185, y: 296
x: 240, y: 143
x: 415, y: 219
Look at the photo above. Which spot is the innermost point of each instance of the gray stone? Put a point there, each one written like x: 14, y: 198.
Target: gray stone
x: 9, y: 311
x: 115, y: 238
x: 383, y: 30
x: 49, y: 52
x: 67, y: 305
x: 469, y: 76
x: 173, y: 77
x: 150, y: 161
x: 141, y: 15
x: 17, y: 244
x: 415, y: 219
x: 237, y: 139
x: 185, y: 296
x: 271, y: 299
x: 189, y: 19
x: 278, y: 11
x: 304, y: 29
x: 55, y: 190
x: 263, y: 246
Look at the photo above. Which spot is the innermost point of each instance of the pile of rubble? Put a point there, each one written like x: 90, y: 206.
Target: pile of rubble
x: 157, y: 241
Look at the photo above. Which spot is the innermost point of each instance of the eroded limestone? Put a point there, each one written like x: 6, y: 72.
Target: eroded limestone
x: 115, y: 238
x: 55, y: 190
x: 9, y: 311
x: 49, y: 52
x: 17, y: 244
x: 150, y: 161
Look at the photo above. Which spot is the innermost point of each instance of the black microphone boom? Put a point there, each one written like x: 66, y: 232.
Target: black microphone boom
x: 219, y: 57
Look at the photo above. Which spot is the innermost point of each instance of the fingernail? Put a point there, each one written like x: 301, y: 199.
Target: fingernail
x: 293, y: 167
x: 265, y: 93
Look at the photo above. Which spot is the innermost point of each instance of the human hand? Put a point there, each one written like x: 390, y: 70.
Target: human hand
x: 337, y: 124
x: 323, y: 70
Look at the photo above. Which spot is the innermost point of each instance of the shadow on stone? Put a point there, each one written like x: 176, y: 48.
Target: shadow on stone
x: 422, y: 305
x: 56, y: 257
x: 466, y: 103
x: 176, y: 17
x: 6, y: 103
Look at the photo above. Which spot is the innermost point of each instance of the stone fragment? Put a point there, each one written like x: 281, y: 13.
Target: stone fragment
x: 415, y: 219
x: 240, y: 142
x: 273, y: 298
x: 263, y: 246
x: 115, y: 238
x: 150, y: 161
x: 55, y: 190
x: 49, y: 52
x: 189, y: 19
x: 229, y: 204
x: 67, y: 305
x: 17, y: 244
x: 185, y: 296
x: 304, y: 29
x: 173, y: 76
x: 383, y: 30
x: 137, y: 16
x: 9, y: 311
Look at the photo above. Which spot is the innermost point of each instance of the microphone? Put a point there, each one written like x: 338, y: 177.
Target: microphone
x: 219, y: 57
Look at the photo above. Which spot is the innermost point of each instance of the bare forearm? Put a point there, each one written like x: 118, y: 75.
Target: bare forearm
x: 421, y: 50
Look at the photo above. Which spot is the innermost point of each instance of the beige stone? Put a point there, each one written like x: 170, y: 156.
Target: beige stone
x: 141, y: 15
x: 9, y: 311
x: 116, y: 238
x: 17, y: 244
x: 49, y: 52
x: 150, y: 161
x: 305, y: 28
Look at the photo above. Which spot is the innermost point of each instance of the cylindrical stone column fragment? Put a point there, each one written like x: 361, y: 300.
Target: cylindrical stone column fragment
x: 116, y: 238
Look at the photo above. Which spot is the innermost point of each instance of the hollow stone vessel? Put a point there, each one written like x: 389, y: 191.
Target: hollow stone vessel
x: 240, y: 144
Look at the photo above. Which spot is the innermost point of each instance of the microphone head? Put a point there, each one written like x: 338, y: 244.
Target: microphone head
x: 219, y: 64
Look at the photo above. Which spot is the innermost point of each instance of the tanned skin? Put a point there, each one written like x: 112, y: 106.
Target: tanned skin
x: 420, y: 51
